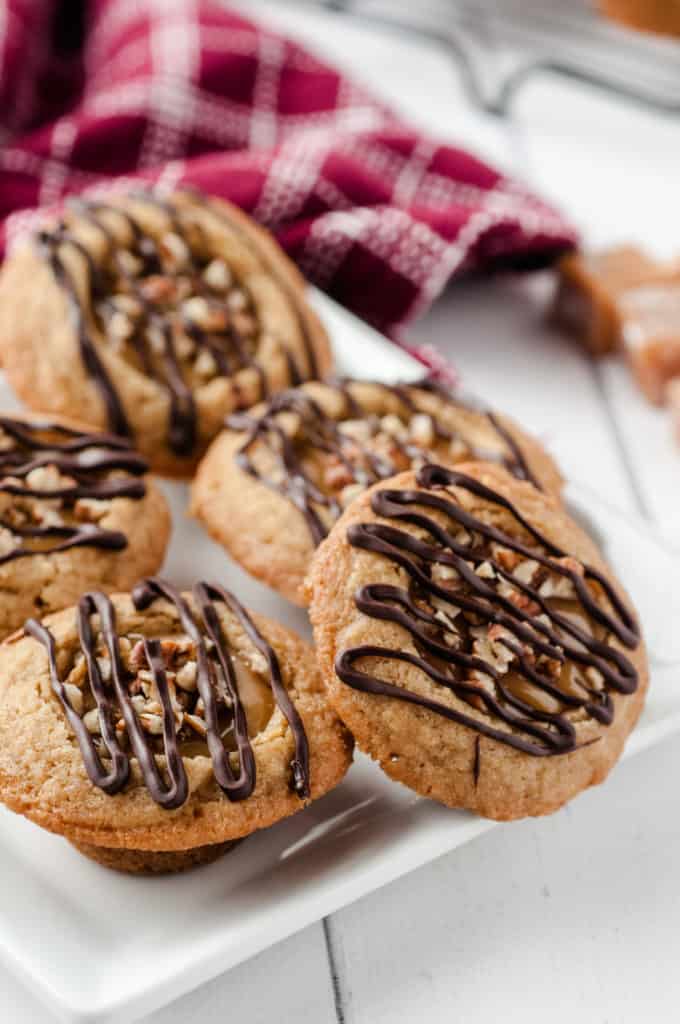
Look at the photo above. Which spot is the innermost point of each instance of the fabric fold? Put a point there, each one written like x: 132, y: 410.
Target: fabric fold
x: 186, y: 92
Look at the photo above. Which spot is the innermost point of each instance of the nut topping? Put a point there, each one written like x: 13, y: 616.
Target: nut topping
x: 186, y: 677
x: 217, y: 275
x: 158, y: 289
x: 237, y: 301
x: 152, y: 723
x: 91, y: 510
x: 181, y: 673
x: 393, y: 426
x: 129, y: 264
x: 350, y: 493
x: 163, y: 295
x: 74, y: 696
x: 175, y: 251
x: 338, y: 476
x: 8, y: 542
x: 156, y: 338
x: 358, y: 430
x: 421, y: 428
x: 104, y: 666
x: 205, y: 365
x: 126, y: 304
x: 120, y: 328
x: 91, y: 721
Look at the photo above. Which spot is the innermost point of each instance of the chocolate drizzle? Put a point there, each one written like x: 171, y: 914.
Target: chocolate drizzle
x: 229, y: 350
x: 87, y: 460
x: 534, y: 632
x: 322, y: 433
x: 49, y: 243
x: 214, y: 689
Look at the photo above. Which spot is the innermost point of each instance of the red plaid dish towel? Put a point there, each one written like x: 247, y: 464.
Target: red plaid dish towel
x: 188, y: 92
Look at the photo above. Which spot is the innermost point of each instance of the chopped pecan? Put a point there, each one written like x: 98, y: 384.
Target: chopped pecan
x: 217, y: 275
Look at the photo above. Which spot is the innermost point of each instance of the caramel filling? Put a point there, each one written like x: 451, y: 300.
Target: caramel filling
x: 181, y: 673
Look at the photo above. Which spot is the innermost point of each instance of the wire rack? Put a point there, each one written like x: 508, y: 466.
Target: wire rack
x: 499, y: 45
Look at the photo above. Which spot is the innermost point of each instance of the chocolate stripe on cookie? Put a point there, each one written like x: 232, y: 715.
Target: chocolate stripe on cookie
x: 49, y: 243
x: 205, y: 595
x: 113, y: 780
x: 463, y: 605
x: 153, y: 338
x: 362, y: 465
x: 85, y: 461
x: 112, y: 696
x: 216, y: 685
x: 283, y: 284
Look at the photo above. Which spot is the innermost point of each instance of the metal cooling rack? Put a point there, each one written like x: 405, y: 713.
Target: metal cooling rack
x: 499, y: 45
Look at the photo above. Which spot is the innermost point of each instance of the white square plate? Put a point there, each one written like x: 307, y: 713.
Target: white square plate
x: 98, y: 946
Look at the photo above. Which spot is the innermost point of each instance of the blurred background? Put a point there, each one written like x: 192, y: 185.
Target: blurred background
x: 626, y: 46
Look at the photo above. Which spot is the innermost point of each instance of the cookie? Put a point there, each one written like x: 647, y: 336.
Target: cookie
x: 154, y: 730
x: 273, y: 483
x: 474, y: 641
x: 76, y: 511
x: 154, y: 318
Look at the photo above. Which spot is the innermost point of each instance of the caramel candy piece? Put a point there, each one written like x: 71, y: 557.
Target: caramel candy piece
x: 648, y: 15
x: 673, y: 399
x: 650, y: 319
x: 588, y: 289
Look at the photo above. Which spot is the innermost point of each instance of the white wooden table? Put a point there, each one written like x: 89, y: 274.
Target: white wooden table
x: 575, y: 916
